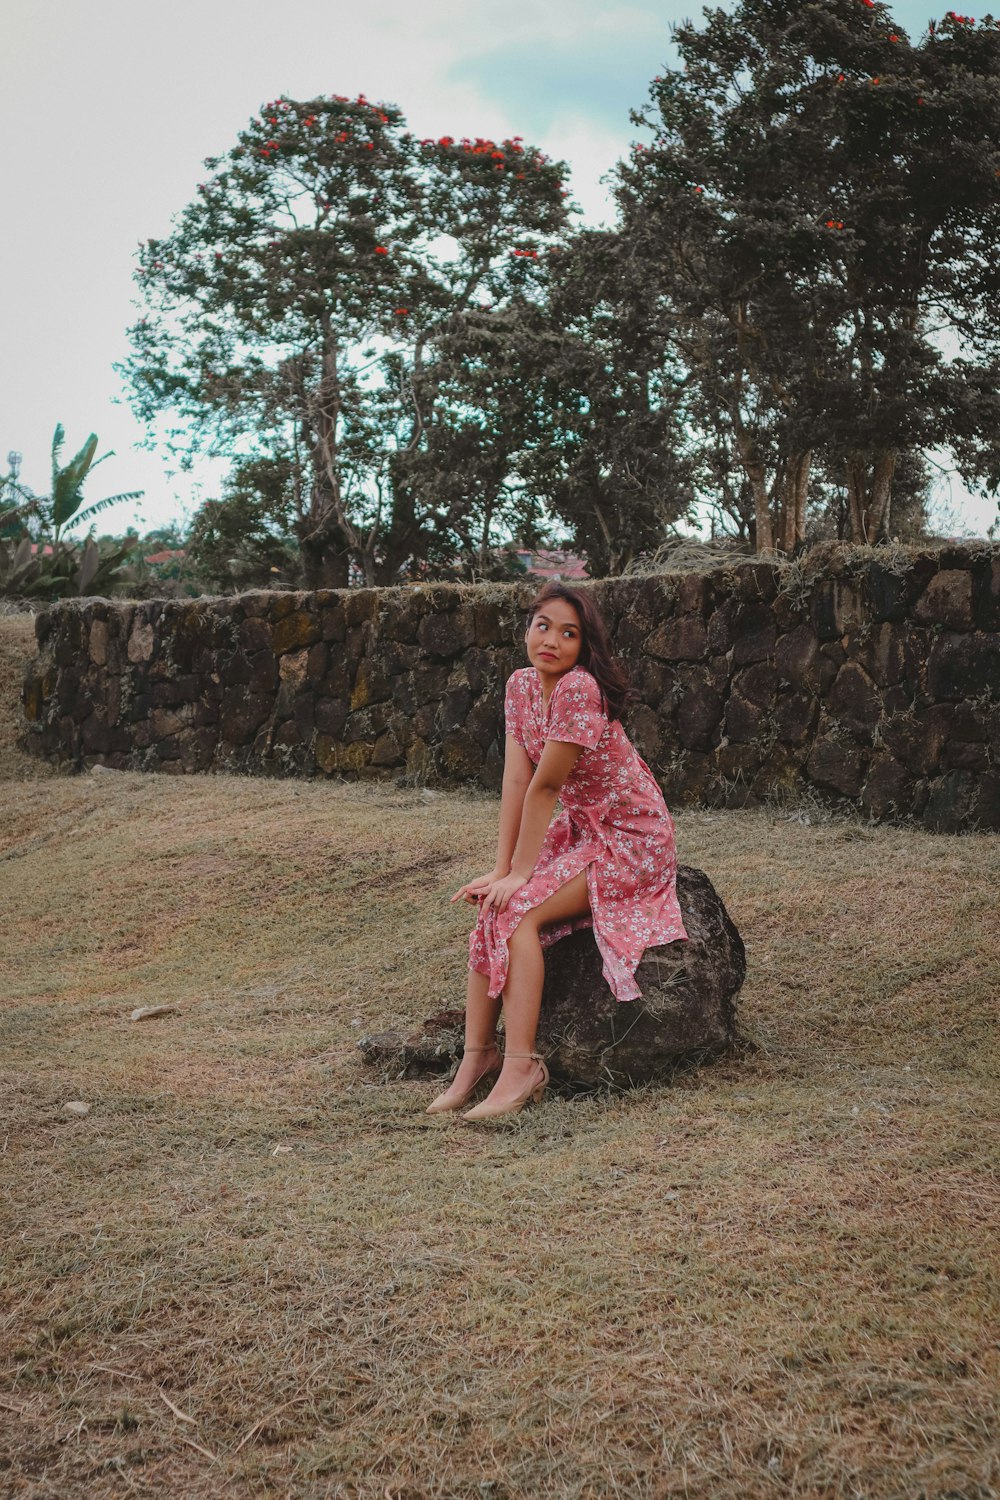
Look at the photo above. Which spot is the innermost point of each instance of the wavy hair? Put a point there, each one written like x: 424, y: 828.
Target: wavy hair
x: 596, y: 653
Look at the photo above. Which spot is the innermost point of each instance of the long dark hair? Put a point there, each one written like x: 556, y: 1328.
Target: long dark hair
x: 595, y: 648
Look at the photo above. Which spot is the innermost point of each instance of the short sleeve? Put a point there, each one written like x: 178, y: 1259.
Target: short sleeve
x: 513, y: 710
x: 576, y: 712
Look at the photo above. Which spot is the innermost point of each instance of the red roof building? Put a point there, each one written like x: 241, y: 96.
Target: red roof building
x: 559, y: 567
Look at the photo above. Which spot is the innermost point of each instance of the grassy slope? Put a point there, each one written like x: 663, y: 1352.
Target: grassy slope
x: 775, y: 1278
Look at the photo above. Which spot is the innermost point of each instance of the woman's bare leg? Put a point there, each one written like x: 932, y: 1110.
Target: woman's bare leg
x: 522, y: 996
x: 481, y: 1016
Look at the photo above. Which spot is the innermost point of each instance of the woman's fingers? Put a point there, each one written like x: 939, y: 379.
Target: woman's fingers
x: 472, y: 891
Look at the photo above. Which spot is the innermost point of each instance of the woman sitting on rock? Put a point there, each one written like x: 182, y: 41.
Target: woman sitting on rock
x: 607, y: 861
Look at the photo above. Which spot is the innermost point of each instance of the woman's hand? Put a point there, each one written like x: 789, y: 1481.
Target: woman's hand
x: 476, y: 889
x: 499, y: 892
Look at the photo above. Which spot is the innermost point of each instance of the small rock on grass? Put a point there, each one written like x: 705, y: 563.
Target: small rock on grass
x: 147, y: 1012
x: 76, y: 1107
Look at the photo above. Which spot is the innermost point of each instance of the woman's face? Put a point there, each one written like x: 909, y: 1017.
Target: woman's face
x: 554, y: 638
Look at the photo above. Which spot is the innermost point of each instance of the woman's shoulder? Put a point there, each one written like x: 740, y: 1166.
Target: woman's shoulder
x: 520, y: 677
x: 580, y: 683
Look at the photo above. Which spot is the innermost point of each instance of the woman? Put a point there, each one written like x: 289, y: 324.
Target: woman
x: 607, y: 861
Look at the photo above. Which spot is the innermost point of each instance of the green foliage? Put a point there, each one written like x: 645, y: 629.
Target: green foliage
x: 311, y: 302
x: 62, y: 507
x: 36, y: 560
x: 32, y: 570
x: 611, y: 457
x: 245, y: 539
x: 809, y: 233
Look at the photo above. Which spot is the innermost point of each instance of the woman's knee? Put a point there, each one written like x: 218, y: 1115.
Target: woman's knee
x: 525, y: 932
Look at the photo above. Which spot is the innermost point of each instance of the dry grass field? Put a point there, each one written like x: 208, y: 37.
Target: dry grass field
x: 254, y: 1269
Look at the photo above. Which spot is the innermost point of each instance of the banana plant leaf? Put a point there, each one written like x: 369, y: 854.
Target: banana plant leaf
x: 67, y: 482
x: 90, y: 562
x: 99, y: 505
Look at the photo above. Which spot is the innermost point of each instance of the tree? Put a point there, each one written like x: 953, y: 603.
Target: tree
x: 302, y: 303
x: 48, y: 516
x: 245, y: 539
x: 612, y: 458
x: 36, y: 559
x: 817, y: 217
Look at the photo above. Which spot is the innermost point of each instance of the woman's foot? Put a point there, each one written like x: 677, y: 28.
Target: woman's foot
x: 523, y: 1077
x: 477, y: 1063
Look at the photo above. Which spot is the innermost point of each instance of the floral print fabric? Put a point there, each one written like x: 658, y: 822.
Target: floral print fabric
x: 614, y: 824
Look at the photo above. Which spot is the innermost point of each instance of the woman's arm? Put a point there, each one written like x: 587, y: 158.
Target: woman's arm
x: 558, y: 760
x: 517, y: 774
x: 539, y: 799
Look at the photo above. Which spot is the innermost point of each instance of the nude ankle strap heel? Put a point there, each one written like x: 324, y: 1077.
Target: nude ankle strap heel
x: 534, y: 1092
x: 439, y: 1107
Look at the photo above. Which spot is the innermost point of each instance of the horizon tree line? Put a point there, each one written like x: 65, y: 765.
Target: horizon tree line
x: 409, y: 351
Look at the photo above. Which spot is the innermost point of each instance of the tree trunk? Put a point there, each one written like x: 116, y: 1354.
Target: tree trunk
x: 793, y: 514
x: 753, y: 467
x: 763, y: 529
x: 325, y: 561
x: 869, y: 503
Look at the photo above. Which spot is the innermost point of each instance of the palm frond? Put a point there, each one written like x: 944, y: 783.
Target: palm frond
x: 99, y: 505
x: 58, y: 438
x: 68, y: 482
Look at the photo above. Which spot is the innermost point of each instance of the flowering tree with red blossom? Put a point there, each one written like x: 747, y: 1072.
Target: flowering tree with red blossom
x: 816, y: 225
x: 311, y: 303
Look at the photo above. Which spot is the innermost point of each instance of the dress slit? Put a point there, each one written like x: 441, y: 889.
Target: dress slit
x: 497, y: 930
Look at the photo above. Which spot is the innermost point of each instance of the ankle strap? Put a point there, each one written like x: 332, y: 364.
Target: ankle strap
x: 492, y: 1047
x: 536, y: 1055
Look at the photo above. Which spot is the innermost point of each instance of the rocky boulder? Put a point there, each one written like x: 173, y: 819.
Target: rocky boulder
x: 687, y: 1011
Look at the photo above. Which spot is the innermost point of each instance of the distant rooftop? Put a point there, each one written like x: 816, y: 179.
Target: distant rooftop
x: 564, y: 567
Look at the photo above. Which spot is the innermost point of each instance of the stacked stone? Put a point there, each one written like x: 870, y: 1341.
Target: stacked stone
x: 872, y: 681
x: 873, y: 684
x: 356, y: 681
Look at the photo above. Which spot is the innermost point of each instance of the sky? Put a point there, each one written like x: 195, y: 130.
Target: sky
x: 109, y: 109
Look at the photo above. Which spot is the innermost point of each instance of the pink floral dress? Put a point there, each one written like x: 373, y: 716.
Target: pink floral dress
x: 614, y: 824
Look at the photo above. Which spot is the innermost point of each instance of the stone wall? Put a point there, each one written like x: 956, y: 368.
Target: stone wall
x: 871, y: 678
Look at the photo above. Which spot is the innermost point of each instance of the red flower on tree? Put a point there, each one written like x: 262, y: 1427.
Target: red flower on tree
x: 381, y: 250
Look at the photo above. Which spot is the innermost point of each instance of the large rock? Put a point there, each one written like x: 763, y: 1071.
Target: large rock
x: 687, y: 1011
